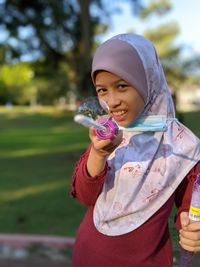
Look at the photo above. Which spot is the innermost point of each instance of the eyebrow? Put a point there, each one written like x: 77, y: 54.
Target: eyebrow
x: 99, y: 85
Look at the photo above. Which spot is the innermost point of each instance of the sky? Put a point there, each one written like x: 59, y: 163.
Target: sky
x: 185, y: 12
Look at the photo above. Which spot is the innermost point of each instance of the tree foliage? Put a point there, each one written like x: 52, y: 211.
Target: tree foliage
x: 58, y: 33
x: 164, y: 36
x: 18, y: 89
x: 58, y: 37
x: 155, y: 7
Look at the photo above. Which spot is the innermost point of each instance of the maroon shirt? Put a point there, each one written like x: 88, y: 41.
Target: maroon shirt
x: 147, y: 246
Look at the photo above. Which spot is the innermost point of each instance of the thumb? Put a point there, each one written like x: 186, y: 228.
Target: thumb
x: 184, y: 219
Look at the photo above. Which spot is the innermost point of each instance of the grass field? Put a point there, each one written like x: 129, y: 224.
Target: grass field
x: 38, y: 150
x: 37, y: 155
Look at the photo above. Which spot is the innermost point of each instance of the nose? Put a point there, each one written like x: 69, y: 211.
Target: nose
x: 113, y: 100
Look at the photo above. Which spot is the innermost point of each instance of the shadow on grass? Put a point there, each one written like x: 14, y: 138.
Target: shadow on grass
x: 37, y: 198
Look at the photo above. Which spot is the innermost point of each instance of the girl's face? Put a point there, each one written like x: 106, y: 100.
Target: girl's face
x: 124, y: 102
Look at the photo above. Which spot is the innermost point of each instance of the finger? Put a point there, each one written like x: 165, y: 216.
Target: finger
x: 118, y: 137
x: 195, y: 235
x: 192, y: 241
x: 195, y: 226
x: 184, y: 219
x: 91, y: 133
x: 102, y: 144
x: 190, y: 248
x: 110, y: 148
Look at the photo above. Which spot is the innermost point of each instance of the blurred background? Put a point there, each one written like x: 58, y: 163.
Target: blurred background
x: 46, y: 48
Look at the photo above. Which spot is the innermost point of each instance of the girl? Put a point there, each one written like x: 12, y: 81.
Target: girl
x: 130, y: 183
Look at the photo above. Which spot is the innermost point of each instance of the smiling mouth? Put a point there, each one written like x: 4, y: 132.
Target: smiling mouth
x: 119, y: 115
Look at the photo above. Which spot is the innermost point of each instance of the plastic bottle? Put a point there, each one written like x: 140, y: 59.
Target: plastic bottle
x: 186, y: 257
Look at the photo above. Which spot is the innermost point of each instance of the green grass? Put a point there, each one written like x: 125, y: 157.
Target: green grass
x: 38, y: 150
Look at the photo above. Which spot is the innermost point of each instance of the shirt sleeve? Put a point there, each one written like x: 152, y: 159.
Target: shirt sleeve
x: 84, y: 187
x: 184, y: 192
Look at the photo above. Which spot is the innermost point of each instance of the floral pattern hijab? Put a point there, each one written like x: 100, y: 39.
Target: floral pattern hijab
x: 147, y: 167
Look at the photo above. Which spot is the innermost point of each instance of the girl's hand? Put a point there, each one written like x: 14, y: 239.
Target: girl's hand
x: 100, y: 151
x: 104, y: 147
x: 189, y: 234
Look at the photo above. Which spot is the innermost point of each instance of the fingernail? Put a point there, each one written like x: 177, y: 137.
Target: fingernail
x: 184, y: 222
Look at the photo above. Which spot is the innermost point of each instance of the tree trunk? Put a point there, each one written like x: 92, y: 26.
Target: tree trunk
x: 85, y: 48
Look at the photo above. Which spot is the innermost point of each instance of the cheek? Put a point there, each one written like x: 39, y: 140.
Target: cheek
x: 139, y: 106
x: 136, y: 104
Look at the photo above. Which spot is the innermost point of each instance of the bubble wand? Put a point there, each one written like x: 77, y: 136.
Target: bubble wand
x: 186, y: 257
x: 94, y: 113
x: 105, y: 128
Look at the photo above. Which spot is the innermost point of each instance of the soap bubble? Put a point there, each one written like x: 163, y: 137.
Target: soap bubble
x: 93, y: 107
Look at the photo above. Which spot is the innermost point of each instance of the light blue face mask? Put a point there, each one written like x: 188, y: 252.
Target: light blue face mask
x: 154, y: 123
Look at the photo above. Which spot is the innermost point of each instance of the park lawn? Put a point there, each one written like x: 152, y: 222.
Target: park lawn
x: 38, y: 150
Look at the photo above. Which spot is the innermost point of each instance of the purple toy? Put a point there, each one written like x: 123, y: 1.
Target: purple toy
x: 111, y: 126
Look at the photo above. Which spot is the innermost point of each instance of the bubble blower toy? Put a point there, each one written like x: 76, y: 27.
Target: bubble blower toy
x: 94, y: 113
x: 186, y: 257
x: 105, y: 128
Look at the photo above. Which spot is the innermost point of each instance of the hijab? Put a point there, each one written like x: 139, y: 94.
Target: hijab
x: 147, y: 167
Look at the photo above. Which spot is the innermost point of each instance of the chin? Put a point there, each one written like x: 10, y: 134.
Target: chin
x: 123, y: 123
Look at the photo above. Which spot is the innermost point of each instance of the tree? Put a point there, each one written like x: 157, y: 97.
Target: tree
x: 177, y: 69
x: 15, y: 90
x: 59, y: 31
x: 163, y: 37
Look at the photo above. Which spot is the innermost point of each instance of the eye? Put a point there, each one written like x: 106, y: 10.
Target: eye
x: 101, y: 91
x: 122, y: 86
